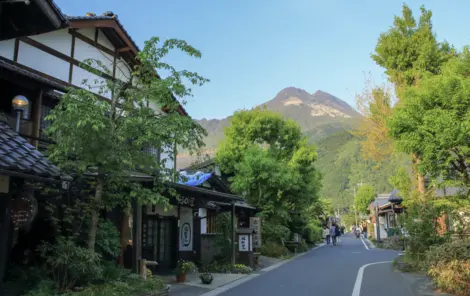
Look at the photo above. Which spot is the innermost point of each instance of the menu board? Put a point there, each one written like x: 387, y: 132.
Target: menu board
x: 255, y: 224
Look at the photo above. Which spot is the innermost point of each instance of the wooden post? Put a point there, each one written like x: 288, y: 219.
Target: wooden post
x: 233, y: 234
x: 138, y: 229
x: 36, y: 118
x: 5, y: 201
x: 143, y: 269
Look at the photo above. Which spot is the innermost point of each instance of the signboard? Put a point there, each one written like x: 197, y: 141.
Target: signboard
x: 255, y: 224
x: 186, y: 230
x: 243, y: 243
x: 4, y: 184
x: 23, y: 211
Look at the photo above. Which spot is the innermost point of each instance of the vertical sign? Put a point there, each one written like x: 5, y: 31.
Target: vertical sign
x: 255, y: 223
x: 186, y: 230
x: 243, y: 243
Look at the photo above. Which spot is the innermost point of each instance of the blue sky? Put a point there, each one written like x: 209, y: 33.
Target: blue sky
x: 253, y: 49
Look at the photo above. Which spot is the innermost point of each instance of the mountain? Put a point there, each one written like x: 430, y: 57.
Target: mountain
x: 319, y: 115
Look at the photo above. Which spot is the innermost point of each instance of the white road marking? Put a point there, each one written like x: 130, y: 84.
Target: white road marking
x: 364, y: 243
x: 360, y: 274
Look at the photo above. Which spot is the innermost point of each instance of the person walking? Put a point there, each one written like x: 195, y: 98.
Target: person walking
x: 338, y: 233
x: 326, y: 234
x: 364, y: 230
x: 333, y: 233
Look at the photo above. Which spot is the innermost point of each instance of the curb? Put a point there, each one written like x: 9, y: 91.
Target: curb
x: 231, y: 285
x: 371, y: 244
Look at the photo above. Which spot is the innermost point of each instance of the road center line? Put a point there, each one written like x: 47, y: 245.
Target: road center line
x: 360, y: 274
x: 364, y: 243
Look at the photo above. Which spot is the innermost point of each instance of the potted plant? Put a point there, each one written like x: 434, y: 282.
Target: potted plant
x: 206, y: 278
x: 182, y: 268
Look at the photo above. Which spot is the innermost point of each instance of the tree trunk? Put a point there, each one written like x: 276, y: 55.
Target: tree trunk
x: 95, y: 212
x: 420, y: 184
x: 124, y: 235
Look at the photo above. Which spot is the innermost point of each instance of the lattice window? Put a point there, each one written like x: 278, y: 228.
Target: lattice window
x: 211, y: 218
x: 45, y: 110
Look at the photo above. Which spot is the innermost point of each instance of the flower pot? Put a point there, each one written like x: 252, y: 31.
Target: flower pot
x: 181, y: 278
x: 206, y: 278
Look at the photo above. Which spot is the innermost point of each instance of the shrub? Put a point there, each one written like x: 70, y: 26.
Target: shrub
x: 453, y: 276
x: 446, y: 253
x: 303, y: 247
x: 108, y: 239
x: 313, y: 233
x: 241, y: 268
x: 274, y: 250
x: 70, y: 264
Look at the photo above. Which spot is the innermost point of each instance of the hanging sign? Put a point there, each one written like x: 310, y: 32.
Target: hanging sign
x: 255, y: 224
x: 243, y: 243
x: 24, y: 209
x: 186, y: 231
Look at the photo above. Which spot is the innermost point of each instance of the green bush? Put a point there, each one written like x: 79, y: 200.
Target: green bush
x: 274, y: 250
x: 303, y: 247
x: 452, y: 277
x: 313, y: 233
x: 241, y: 268
x: 446, y: 253
x: 108, y: 239
x: 70, y: 264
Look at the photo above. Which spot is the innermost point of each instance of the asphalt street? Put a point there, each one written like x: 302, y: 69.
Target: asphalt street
x: 332, y: 270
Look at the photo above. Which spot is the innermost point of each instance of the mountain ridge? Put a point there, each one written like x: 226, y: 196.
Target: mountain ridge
x: 318, y: 114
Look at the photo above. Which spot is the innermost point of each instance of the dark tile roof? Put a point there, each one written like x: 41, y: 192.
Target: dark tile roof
x: 18, y: 156
x: 102, y: 17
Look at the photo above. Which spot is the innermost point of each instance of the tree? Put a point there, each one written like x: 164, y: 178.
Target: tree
x: 409, y: 51
x: 272, y: 164
x: 105, y: 140
x: 364, y: 196
x: 434, y: 121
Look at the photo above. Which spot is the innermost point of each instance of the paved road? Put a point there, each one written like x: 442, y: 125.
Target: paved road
x: 333, y: 270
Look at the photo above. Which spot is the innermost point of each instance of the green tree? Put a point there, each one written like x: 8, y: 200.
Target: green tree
x: 272, y: 164
x: 105, y: 139
x: 364, y: 196
x: 434, y: 120
x: 409, y: 51
x: 402, y: 182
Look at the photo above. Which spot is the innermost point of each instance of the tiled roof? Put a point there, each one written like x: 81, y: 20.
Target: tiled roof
x: 17, y: 155
x: 103, y: 17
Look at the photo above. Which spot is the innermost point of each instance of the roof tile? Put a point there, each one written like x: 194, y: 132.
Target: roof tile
x: 19, y: 156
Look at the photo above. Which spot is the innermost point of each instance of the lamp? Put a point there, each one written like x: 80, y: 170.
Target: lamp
x: 20, y: 104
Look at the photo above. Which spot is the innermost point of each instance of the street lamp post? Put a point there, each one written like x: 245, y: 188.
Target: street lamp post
x: 377, y: 222
x: 20, y: 104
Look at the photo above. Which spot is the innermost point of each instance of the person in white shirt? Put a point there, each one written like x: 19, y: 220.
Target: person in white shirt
x: 326, y: 234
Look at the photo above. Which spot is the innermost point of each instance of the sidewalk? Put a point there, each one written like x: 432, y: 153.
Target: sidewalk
x: 194, y: 287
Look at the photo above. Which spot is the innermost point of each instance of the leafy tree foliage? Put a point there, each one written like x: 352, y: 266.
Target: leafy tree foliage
x: 409, y: 51
x: 434, y: 120
x: 105, y: 140
x: 272, y: 164
x: 364, y: 196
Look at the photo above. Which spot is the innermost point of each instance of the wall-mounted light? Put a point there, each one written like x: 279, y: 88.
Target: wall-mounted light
x: 20, y: 104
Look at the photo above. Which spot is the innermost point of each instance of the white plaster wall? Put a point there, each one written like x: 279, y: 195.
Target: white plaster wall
x: 7, y: 48
x: 186, y: 224
x: 59, y: 40
x: 123, y: 70
x: 85, y: 51
x: 93, y: 80
x: 88, y: 32
x: 43, y: 62
x: 104, y: 41
x: 165, y: 155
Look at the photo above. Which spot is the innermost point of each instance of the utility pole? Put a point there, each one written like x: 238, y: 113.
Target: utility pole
x: 355, y: 211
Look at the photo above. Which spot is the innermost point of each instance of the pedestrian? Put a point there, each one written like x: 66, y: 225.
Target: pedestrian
x: 338, y: 233
x: 364, y: 230
x: 333, y: 233
x: 326, y: 234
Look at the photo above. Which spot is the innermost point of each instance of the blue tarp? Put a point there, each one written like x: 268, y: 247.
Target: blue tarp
x: 194, y: 180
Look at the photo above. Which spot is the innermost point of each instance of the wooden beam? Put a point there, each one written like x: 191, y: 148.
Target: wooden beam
x: 124, y: 49
x: 36, y: 117
x: 16, y: 49
x: 72, y: 55
x: 97, y: 31
x: 60, y: 55
x: 234, y: 235
x: 91, y: 42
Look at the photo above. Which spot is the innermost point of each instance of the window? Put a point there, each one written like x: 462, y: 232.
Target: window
x: 211, y: 224
x: 45, y: 110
